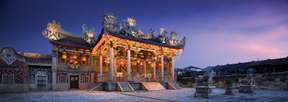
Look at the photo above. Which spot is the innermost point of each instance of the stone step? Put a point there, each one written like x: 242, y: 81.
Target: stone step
x: 125, y: 86
x: 152, y: 86
x: 172, y: 85
x: 97, y: 87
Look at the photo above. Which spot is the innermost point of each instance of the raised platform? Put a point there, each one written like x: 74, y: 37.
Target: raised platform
x: 152, y: 86
x: 128, y: 86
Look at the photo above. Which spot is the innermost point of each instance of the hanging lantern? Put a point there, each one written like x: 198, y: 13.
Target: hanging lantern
x: 64, y: 56
x: 74, y: 57
x: 84, y: 59
x: 153, y: 65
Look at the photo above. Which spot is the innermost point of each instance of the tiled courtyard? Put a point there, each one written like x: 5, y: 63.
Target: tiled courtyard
x: 181, y: 95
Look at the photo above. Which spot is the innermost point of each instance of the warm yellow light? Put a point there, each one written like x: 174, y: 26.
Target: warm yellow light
x: 74, y: 57
x: 153, y: 65
x: 84, y: 59
x: 64, y: 57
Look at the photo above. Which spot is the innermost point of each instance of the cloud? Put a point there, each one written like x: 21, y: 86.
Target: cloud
x: 238, y: 34
x: 256, y: 50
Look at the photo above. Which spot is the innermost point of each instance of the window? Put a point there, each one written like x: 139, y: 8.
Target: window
x: 8, y: 79
x: 41, y: 79
x: 61, y: 78
x: 84, y: 78
x: 32, y: 78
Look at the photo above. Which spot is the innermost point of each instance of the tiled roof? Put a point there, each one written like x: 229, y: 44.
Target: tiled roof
x: 36, y: 58
x: 79, y: 42
x: 154, y: 41
x: 71, y: 41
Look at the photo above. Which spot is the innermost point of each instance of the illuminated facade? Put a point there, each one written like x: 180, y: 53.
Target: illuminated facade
x: 119, y: 53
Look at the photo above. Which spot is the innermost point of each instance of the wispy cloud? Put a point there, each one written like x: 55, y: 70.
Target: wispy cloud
x: 233, y: 39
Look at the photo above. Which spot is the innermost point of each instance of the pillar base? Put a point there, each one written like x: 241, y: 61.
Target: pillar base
x: 110, y: 86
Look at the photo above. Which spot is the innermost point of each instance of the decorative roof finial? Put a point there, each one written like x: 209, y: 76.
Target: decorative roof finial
x: 110, y: 23
x: 173, y: 40
x: 152, y: 32
x: 131, y: 22
x: 88, y: 34
x: 54, y: 26
x: 52, y: 31
x: 163, y: 33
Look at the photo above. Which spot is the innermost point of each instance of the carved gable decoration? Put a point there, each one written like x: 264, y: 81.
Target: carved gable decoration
x: 8, y: 55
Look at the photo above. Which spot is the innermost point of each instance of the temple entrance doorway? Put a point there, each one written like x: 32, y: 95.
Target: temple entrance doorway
x: 74, y: 81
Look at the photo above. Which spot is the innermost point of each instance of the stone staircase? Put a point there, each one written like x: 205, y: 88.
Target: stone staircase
x: 152, y: 86
x: 173, y: 85
x: 125, y: 87
x: 97, y: 87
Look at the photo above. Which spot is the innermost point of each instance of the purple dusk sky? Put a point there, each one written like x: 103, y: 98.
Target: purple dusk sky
x: 217, y: 31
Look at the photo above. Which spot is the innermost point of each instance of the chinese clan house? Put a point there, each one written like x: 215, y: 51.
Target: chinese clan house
x: 120, y: 57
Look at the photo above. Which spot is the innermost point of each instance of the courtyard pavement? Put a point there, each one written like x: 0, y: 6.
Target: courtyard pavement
x: 180, y: 95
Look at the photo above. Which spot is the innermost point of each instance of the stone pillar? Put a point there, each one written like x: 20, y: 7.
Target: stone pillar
x: 111, y: 62
x: 145, y: 69
x: 129, y: 64
x: 101, y: 68
x: 92, y: 77
x: 54, y: 70
x: 172, y: 69
x: 154, y: 70
x: 115, y: 66
x: 162, y: 67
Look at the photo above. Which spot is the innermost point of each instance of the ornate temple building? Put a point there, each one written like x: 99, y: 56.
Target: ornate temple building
x: 120, y: 57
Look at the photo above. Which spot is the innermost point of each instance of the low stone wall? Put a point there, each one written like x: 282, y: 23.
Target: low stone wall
x: 7, y: 88
x: 273, y: 85
x: 85, y: 86
x: 61, y: 86
x: 33, y: 87
x: 273, y: 81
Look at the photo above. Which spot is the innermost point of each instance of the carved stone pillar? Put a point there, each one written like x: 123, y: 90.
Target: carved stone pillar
x: 129, y: 64
x: 101, y: 67
x: 145, y: 69
x: 172, y: 69
x: 111, y: 63
x: 162, y: 67
x: 154, y: 70
x: 92, y: 77
x: 54, y: 70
